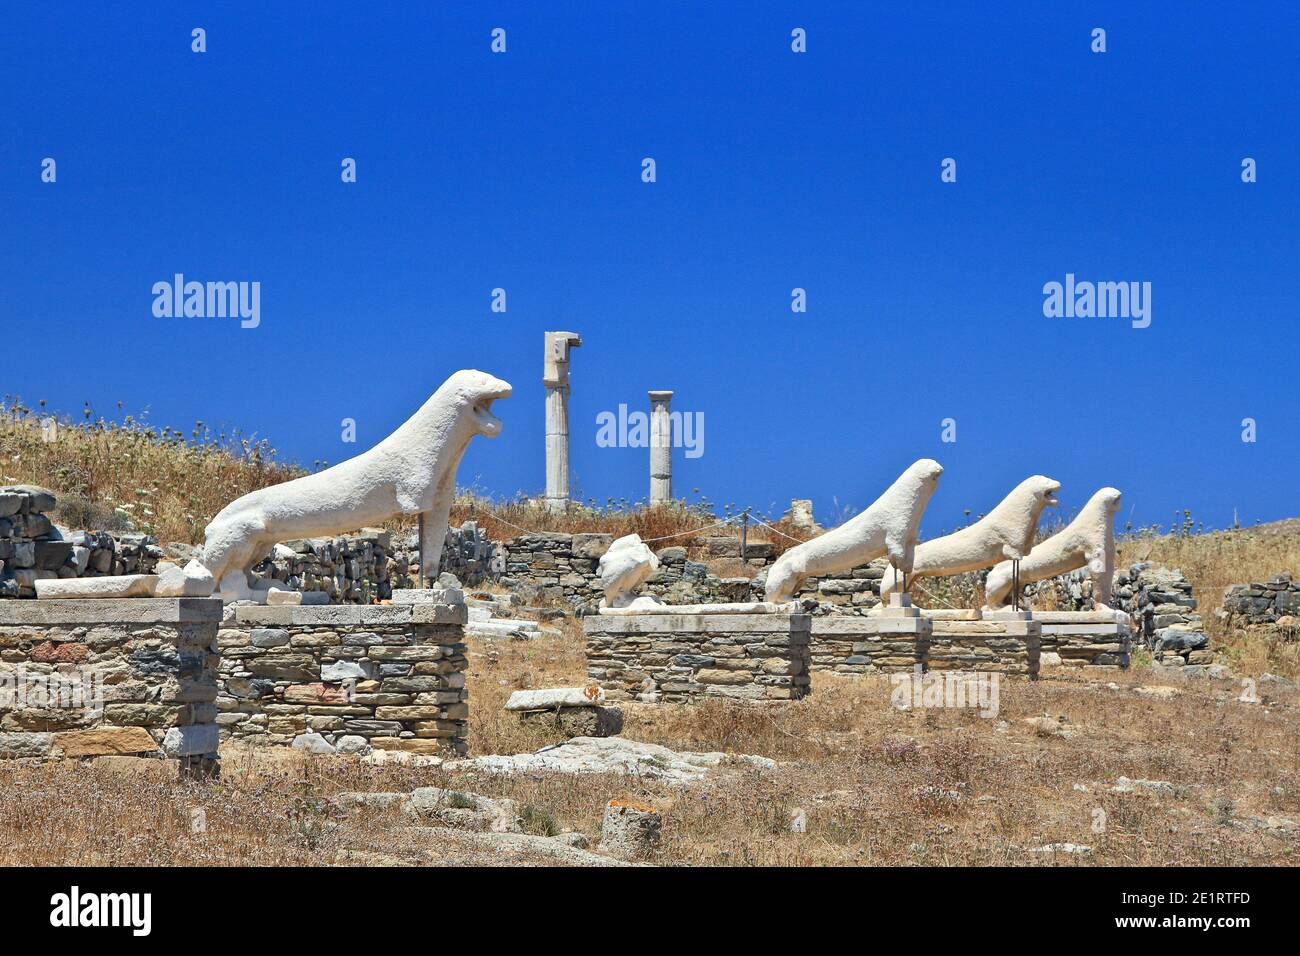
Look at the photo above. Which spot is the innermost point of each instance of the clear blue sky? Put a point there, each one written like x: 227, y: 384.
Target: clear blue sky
x: 775, y: 170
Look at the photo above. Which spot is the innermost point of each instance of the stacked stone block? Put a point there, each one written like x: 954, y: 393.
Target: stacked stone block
x: 346, y: 678
x: 1091, y: 639
x: 1273, y: 602
x: 855, y: 644
x: 32, y: 548
x: 351, y: 569
x: 146, y: 668
x: 686, y: 657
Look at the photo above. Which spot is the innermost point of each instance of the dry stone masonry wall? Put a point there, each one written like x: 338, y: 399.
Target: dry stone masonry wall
x: 346, y: 678
x: 1274, y: 602
x: 685, y: 657
x: 91, y: 678
x: 1158, y: 601
x: 562, y: 568
x: 32, y: 548
x: 366, y: 567
x: 855, y: 644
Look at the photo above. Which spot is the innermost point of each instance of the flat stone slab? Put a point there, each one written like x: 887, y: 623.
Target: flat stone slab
x: 282, y: 597
x: 1080, y: 617
x: 952, y: 613
x: 502, y: 627
x: 549, y: 699
x: 186, y: 610
x: 613, y: 755
x: 351, y: 614
x: 734, y: 622
x: 745, y: 607
x: 934, y: 614
x: 112, y: 586
x: 436, y: 595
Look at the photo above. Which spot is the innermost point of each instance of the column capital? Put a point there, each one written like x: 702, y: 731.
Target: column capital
x: 555, y: 368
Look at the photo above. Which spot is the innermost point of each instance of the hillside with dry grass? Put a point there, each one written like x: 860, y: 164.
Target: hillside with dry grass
x: 1178, y: 771
x: 110, y: 475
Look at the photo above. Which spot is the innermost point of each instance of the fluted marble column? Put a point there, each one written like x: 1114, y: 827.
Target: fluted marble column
x: 555, y: 376
x: 661, y: 448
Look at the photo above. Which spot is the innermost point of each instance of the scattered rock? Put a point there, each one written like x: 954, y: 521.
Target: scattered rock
x: 1160, y: 691
x: 463, y: 810
x: 519, y: 845
x: 1125, y: 785
x: 1283, y: 827
x: 313, y: 743
x: 1046, y: 726
x: 1072, y: 848
x: 193, y: 580
x: 630, y: 830
x: 612, y: 755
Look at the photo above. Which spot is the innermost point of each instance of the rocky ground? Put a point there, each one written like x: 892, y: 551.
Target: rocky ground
x: 1148, y: 768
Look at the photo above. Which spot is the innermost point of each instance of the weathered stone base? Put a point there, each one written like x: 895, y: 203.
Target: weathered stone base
x: 852, y: 644
x: 1006, y: 646
x: 576, y: 721
x: 109, y: 677
x: 1085, y: 638
x: 677, y: 657
x: 345, y: 678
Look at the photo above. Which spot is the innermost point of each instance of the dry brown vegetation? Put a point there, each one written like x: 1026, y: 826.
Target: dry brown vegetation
x: 877, y: 785
x: 171, y: 484
x: 1215, y: 560
x: 108, y: 473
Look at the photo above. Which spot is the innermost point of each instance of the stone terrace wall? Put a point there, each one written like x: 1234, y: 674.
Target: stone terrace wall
x: 1091, y: 639
x: 32, y: 548
x: 366, y: 567
x: 1275, y: 601
x: 684, y: 657
x: 1159, y: 603
x: 854, y: 644
x: 346, y: 679
x: 147, y: 669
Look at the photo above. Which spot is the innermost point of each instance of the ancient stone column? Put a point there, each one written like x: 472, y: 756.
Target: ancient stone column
x: 555, y: 376
x: 661, y: 448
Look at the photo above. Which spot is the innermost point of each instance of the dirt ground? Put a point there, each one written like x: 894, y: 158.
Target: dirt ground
x: 1214, y: 779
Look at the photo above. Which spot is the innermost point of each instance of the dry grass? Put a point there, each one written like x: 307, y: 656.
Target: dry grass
x: 676, y: 524
x: 877, y: 785
x: 1215, y: 560
x: 168, y: 483
x: 172, y: 484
